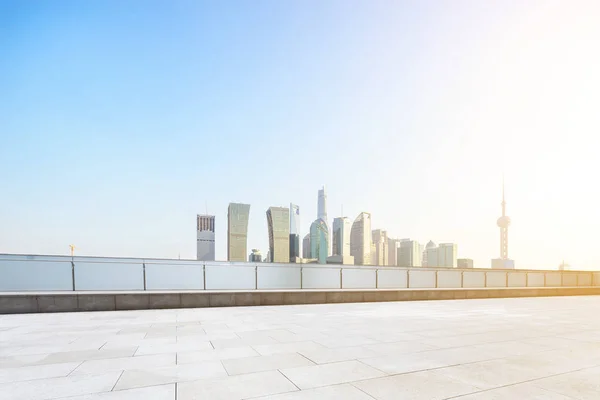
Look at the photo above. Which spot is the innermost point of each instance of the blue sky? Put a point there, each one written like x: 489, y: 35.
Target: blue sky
x: 120, y: 121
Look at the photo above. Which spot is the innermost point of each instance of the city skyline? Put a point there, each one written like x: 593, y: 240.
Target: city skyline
x: 120, y: 122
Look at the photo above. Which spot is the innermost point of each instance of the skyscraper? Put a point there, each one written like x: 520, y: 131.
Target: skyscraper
x: 342, y: 226
x: 237, y: 231
x: 319, y: 240
x: 380, y: 241
x: 306, y: 246
x: 430, y: 255
x: 205, y: 237
x: 393, y: 245
x: 294, y: 231
x: 278, y: 221
x: 360, y: 239
x: 322, y: 205
x: 409, y: 253
x: 503, y: 223
x: 447, y: 255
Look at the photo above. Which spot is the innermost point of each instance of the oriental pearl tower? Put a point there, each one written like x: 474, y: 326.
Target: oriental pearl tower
x: 503, y: 223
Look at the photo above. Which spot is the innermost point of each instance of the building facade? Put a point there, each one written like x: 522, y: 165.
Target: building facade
x: 409, y: 253
x: 205, y: 237
x: 294, y: 231
x: 255, y: 256
x: 447, y: 253
x: 380, y: 243
x: 360, y: 239
x: 306, y: 247
x: 464, y: 263
x: 319, y: 240
x: 393, y: 245
x: 278, y: 224
x: 322, y: 205
x: 238, y: 215
x: 342, y: 226
x: 430, y: 255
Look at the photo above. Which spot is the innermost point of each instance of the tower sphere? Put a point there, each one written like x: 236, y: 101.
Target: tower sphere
x: 503, y: 222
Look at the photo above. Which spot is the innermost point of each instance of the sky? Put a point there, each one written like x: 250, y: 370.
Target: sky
x: 120, y: 121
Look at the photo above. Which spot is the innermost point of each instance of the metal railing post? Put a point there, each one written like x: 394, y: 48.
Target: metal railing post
x: 377, y: 279
x: 485, y: 279
x: 436, y: 279
x: 256, y: 277
x: 301, y: 276
x: 341, y: 282
x: 526, y: 279
x: 144, y: 274
x: 407, y: 279
x: 204, y: 276
x: 506, y: 280
x: 462, y: 279
x: 73, y: 274
x: 545, y: 279
x: 561, y: 279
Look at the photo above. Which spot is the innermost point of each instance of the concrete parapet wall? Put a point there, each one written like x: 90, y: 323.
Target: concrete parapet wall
x: 18, y: 303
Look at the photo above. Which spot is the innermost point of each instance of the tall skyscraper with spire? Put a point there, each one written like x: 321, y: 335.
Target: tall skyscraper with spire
x: 503, y: 223
x: 322, y: 205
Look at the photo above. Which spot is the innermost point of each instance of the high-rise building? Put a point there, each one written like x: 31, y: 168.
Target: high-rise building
x: 360, y: 239
x: 306, y: 247
x: 255, y: 256
x: 430, y: 255
x: 322, y: 205
x: 278, y: 221
x: 342, y: 226
x: 393, y: 245
x: 294, y: 231
x: 446, y: 253
x: 237, y: 231
x: 503, y: 223
x: 464, y: 263
x: 205, y: 237
x: 409, y: 253
x: 319, y: 240
x: 380, y: 243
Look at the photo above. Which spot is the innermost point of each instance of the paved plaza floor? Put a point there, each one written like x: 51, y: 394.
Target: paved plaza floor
x: 529, y: 348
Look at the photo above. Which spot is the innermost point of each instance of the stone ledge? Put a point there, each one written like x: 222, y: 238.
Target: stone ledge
x: 20, y: 303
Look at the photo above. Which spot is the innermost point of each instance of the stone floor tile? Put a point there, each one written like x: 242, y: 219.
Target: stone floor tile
x: 231, y: 353
x: 125, y: 363
x: 330, y: 374
x: 161, y: 392
x: 178, y: 373
x: 516, y: 392
x: 235, y: 387
x: 491, y: 374
x: 403, y: 363
x: 36, y: 372
x: 335, y: 392
x: 582, y: 385
x: 265, y: 363
x: 324, y: 356
x: 424, y: 385
x: 55, y: 388
x: 399, y: 347
x: 172, y: 348
x: 268, y: 349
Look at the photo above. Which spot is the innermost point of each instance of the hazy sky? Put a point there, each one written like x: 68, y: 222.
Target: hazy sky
x: 120, y: 121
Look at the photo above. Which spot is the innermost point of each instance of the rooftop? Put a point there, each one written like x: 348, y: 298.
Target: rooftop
x: 470, y: 349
